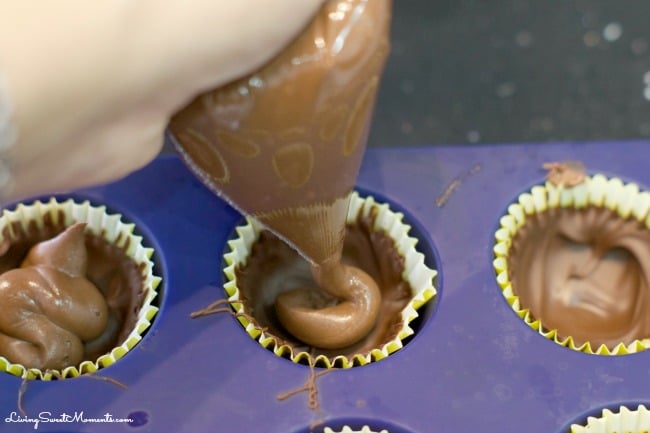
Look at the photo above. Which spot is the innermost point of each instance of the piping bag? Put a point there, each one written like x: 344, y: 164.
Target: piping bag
x: 284, y: 144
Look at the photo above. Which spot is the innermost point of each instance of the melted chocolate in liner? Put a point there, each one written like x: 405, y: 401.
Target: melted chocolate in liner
x: 273, y: 268
x: 59, y: 302
x: 585, y: 273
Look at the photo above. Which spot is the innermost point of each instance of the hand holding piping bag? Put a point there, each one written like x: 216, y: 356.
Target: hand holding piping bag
x: 87, y: 88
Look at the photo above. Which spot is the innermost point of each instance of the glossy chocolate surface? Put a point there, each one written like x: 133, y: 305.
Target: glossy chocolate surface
x: 65, y: 296
x: 319, y: 319
x: 585, y: 273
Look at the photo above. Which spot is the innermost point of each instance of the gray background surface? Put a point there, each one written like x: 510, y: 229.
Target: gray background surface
x: 472, y: 71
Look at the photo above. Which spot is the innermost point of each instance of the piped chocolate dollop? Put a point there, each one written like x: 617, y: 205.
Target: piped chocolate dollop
x: 64, y: 299
x: 331, y: 322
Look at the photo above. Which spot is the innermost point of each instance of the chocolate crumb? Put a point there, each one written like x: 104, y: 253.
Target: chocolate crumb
x: 455, y: 184
x: 565, y: 173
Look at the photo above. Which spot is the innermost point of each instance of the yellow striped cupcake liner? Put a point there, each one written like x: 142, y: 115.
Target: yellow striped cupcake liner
x: 420, y: 277
x: 113, y: 230
x: 347, y: 429
x: 626, y: 199
x: 623, y: 421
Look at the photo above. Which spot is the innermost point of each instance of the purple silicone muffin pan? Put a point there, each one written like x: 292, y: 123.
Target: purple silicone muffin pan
x: 473, y: 364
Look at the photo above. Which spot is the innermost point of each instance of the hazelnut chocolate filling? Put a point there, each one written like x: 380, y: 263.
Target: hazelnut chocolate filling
x: 66, y: 296
x: 273, y: 269
x: 285, y: 144
x: 318, y: 319
x: 584, y: 272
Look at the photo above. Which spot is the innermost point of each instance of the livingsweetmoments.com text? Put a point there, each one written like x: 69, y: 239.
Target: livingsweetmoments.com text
x: 62, y: 418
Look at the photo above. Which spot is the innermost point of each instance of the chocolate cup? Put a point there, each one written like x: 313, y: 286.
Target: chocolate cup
x: 625, y: 201
x: 421, y: 278
x: 113, y: 230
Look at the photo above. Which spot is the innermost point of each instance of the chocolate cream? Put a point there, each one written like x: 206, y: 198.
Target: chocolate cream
x: 285, y: 144
x: 66, y: 296
x: 584, y: 272
x: 274, y: 269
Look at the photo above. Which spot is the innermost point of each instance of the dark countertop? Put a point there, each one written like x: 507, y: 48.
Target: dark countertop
x: 472, y: 71
x: 513, y: 71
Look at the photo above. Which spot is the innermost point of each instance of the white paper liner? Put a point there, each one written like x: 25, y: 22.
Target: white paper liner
x: 625, y: 199
x: 623, y: 421
x: 416, y: 272
x: 113, y: 230
x: 347, y: 429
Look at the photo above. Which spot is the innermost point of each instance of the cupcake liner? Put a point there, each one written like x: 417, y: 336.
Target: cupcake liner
x: 626, y: 199
x: 347, y: 429
x: 625, y: 420
x: 112, y: 229
x: 420, y: 277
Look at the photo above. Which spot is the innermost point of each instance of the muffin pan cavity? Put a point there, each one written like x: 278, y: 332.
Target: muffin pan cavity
x: 82, y: 298
x: 408, y: 284
x: 628, y: 417
x: 472, y: 362
x: 573, y: 262
x: 355, y: 426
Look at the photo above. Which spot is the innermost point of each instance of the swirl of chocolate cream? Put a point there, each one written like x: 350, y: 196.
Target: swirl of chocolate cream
x: 49, y: 308
x: 586, y: 273
x: 331, y: 322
